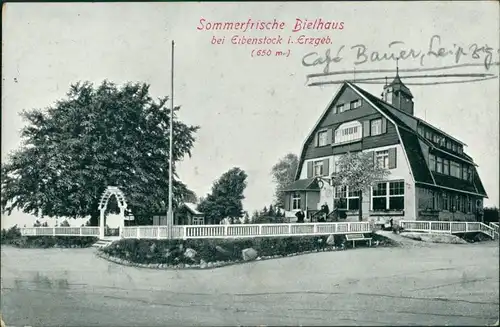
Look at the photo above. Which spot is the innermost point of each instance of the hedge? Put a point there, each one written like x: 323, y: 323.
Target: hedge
x: 13, y: 237
x: 170, y: 252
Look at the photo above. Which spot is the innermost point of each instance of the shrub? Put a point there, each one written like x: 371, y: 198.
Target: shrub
x: 169, y: 251
x: 13, y: 237
x: 9, y: 235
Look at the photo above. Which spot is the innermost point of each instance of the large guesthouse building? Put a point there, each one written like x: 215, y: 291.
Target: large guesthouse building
x: 430, y: 175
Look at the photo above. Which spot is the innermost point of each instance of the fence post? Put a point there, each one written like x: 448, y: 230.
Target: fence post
x: 315, y: 229
x: 53, y: 231
x: 138, y: 233
x: 430, y: 226
x: 158, y: 233
x: 289, y: 229
x: 81, y: 231
x: 260, y: 229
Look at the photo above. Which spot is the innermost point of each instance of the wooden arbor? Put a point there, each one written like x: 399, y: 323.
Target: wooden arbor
x: 103, y: 204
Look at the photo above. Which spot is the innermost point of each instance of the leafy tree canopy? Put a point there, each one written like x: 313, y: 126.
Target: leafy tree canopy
x: 96, y: 137
x: 283, y: 174
x: 358, y: 171
x: 226, y: 197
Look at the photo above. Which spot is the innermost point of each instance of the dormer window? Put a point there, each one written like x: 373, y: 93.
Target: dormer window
x: 322, y: 138
x: 376, y: 127
x: 340, y: 108
x: 348, y: 132
x: 355, y: 104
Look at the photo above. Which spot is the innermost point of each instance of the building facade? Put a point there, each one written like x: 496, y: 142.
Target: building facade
x: 430, y: 175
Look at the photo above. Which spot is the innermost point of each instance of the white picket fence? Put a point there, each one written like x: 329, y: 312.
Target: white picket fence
x: 60, y: 231
x: 211, y: 231
x: 266, y: 230
x: 495, y: 227
x: 448, y: 227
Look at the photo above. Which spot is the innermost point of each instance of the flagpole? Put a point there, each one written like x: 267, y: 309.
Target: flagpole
x: 170, y: 217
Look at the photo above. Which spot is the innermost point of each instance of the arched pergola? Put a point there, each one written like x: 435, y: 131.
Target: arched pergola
x: 103, y: 204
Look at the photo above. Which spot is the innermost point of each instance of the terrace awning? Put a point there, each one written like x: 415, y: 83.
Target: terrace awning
x: 309, y: 184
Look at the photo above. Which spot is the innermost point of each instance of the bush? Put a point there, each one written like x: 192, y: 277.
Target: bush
x: 7, y: 236
x: 13, y: 237
x: 209, y: 250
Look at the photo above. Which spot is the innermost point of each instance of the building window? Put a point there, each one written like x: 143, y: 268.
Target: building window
x: 318, y: 168
x: 448, y: 144
x: 198, y: 221
x: 445, y: 201
x: 435, y: 138
x: 336, y: 166
x: 469, y: 204
x: 455, y: 169
x: 446, y: 166
x: 295, y: 201
x: 454, y: 147
x: 432, y: 162
x: 376, y: 127
x: 439, y: 165
x: 382, y: 158
x: 348, y: 132
x: 322, y: 138
x: 421, y: 130
x: 388, y: 196
x: 428, y: 134
x: 462, y: 203
x: 340, y: 108
x: 460, y: 149
x: 345, y: 199
x: 355, y: 104
x: 469, y: 173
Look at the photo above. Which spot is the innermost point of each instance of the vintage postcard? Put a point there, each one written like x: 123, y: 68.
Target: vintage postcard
x: 250, y: 163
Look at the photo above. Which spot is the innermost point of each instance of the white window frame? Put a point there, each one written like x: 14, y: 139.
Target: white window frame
x: 376, y: 127
x: 439, y: 165
x: 295, y: 198
x: 347, y: 196
x: 432, y: 163
x: 446, y: 166
x: 456, y: 171
x: 349, y: 132
x: 198, y: 220
x: 336, y: 167
x: 355, y: 104
x: 382, y: 157
x: 318, y: 164
x: 388, y: 196
x: 323, y: 141
x: 341, y: 108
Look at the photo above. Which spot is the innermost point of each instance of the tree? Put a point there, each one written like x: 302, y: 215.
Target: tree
x: 264, y: 211
x: 65, y: 223
x: 94, y: 138
x: 271, y: 211
x: 246, y: 219
x: 358, y: 171
x: 226, y: 196
x: 283, y: 174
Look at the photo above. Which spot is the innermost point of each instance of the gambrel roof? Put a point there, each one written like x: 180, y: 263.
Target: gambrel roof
x: 406, y: 127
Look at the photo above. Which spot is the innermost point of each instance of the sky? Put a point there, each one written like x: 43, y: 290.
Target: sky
x: 252, y: 110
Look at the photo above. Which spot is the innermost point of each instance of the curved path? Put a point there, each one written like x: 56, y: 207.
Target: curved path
x: 445, y: 284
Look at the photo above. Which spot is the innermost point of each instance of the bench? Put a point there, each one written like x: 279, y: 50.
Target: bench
x: 358, y: 237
